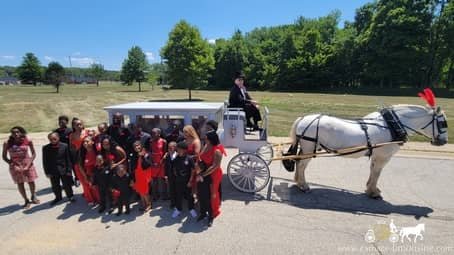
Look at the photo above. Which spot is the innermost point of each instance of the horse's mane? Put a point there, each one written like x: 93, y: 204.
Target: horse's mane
x: 412, y: 111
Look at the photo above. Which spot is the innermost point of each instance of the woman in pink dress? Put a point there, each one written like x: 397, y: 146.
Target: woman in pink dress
x: 20, y: 163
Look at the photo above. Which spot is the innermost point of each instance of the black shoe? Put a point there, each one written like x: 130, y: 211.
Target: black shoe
x: 55, y: 201
x: 127, y: 212
x: 110, y: 211
x: 210, y: 222
x: 118, y: 213
x: 201, y: 217
x: 72, y: 199
x: 26, y: 204
x: 101, y: 209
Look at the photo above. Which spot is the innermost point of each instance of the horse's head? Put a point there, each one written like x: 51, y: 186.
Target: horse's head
x: 427, y: 121
x: 439, y: 128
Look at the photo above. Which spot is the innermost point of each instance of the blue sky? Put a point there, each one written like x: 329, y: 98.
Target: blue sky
x: 103, y: 30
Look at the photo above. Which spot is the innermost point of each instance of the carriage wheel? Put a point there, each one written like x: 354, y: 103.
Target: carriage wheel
x: 248, y: 172
x: 266, y: 152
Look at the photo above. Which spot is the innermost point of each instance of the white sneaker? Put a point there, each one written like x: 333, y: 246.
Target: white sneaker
x: 175, y: 213
x: 193, y: 213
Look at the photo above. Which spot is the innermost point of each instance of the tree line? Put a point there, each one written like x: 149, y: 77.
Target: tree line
x: 30, y: 71
x: 390, y: 44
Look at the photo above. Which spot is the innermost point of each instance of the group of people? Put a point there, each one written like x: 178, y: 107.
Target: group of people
x: 115, y: 162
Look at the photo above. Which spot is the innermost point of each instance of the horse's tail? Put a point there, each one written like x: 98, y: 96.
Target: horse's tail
x: 292, y: 134
x: 289, y: 164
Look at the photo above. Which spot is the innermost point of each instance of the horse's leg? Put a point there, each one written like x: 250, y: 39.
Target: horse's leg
x: 380, y: 157
x: 376, y: 166
x: 300, y: 177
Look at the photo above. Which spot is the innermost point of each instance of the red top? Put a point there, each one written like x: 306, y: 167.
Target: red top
x: 90, y: 162
x: 78, y: 142
x: 208, y: 156
x: 157, y: 150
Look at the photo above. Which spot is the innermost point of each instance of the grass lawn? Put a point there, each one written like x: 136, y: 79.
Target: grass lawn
x: 37, y: 108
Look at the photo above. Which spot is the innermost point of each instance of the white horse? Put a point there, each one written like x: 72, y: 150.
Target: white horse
x: 315, y: 132
x: 405, y: 232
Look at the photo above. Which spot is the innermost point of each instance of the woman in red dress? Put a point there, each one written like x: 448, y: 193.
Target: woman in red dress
x: 76, y: 138
x: 211, y: 156
x: 141, y: 164
x: 20, y: 163
x: 193, y: 141
x: 87, y: 165
x: 112, y: 152
x: 158, y: 148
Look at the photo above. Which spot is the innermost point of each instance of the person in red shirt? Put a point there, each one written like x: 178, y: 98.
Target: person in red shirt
x: 158, y: 147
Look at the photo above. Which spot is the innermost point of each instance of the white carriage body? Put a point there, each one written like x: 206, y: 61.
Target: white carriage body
x: 235, y: 136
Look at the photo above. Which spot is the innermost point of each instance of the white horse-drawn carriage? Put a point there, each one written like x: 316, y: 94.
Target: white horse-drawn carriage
x: 377, y: 135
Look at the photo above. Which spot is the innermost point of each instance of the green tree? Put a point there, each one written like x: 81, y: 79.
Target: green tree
x: 230, y: 57
x: 97, y: 71
x: 54, y: 74
x: 30, y: 71
x: 189, y: 58
x: 134, y: 67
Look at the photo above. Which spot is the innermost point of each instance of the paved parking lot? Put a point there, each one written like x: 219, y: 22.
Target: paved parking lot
x: 333, y: 218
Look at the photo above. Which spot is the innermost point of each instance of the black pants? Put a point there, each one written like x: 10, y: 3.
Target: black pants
x: 252, y: 112
x: 172, y: 190
x: 105, y: 196
x: 123, y: 200
x: 66, y: 180
x: 204, y: 196
x: 183, y: 192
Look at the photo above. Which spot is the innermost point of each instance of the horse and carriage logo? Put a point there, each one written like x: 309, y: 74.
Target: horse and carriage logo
x: 382, y: 231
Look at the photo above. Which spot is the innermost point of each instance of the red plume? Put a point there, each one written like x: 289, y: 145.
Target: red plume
x: 428, y: 96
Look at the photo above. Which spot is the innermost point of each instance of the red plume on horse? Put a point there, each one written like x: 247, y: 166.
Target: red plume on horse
x: 428, y: 96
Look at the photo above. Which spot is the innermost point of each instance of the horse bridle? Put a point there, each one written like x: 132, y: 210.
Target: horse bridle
x: 441, y: 123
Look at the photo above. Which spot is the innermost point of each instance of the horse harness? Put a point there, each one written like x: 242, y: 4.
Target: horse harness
x: 395, y: 126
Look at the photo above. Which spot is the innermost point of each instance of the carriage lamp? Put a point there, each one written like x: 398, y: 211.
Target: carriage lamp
x: 233, y: 130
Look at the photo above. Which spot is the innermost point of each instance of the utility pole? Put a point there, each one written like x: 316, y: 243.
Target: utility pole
x: 70, y: 70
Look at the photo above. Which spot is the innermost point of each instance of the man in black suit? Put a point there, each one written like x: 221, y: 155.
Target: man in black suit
x: 57, y: 167
x: 63, y: 130
x: 239, y: 98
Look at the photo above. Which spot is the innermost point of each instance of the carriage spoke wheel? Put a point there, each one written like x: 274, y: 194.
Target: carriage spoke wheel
x: 248, y: 172
x: 266, y: 152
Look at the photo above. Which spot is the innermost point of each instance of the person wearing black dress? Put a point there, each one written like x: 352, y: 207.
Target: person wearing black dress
x: 122, y: 182
x: 102, y: 179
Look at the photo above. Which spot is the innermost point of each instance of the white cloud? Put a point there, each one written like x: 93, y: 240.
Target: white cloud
x: 150, y: 55
x: 82, y: 61
x: 211, y: 41
x: 8, y: 57
x: 48, y: 58
x: 77, y: 53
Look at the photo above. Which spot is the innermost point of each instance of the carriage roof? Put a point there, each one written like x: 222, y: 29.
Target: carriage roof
x: 211, y: 110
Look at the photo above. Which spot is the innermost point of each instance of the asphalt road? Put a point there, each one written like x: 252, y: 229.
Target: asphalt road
x: 333, y: 218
